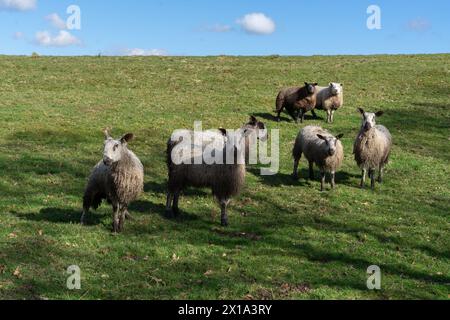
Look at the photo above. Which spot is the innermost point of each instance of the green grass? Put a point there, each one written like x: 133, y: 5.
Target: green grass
x: 287, y: 240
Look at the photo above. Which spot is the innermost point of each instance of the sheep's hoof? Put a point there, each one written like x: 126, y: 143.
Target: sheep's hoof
x: 224, y: 223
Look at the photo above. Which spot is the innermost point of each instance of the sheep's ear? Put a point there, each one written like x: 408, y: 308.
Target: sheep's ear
x: 306, y: 83
x: 107, y: 135
x: 342, y: 85
x: 223, y: 131
x: 253, y: 120
x: 361, y: 110
x: 321, y: 137
x: 127, y: 138
x: 315, y: 84
x: 339, y: 137
x: 379, y: 114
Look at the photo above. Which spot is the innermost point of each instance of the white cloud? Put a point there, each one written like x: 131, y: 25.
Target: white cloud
x: 56, y: 21
x: 19, y: 5
x: 219, y: 28
x: 145, y: 52
x: 419, y: 25
x: 62, y: 39
x: 257, y: 23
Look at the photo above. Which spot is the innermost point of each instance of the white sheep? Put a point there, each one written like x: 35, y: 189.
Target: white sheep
x: 372, y: 147
x: 321, y: 148
x: 118, y: 178
x: 330, y: 99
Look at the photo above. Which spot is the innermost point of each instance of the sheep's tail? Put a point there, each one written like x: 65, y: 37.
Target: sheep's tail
x: 279, y: 104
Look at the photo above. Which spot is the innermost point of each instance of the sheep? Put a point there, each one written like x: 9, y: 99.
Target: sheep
x: 321, y: 148
x: 224, y: 178
x: 296, y: 99
x: 372, y: 147
x: 330, y: 99
x: 118, y: 178
x: 252, y: 131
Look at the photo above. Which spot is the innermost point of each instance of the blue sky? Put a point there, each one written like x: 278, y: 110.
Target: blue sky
x: 213, y: 27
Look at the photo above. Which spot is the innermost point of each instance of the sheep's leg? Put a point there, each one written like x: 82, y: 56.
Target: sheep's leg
x: 322, y: 182
x: 302, y: 115
x: 122, y: 217
x: 314, y: 114
x: 175, y: 209
x: 380, y: 175
x: 128, y: 215
x: 311, y: 170
x: 372, y: 178
x: 295, y: 172
x: 224, y: 215
x: 333, y: 183
x: 169, y: 212
x: 332, y: 116
x: 363, y: 179
x: 83, y: 215
x: 292, y: 114
x: 329, y: 116
x: 116, y: 218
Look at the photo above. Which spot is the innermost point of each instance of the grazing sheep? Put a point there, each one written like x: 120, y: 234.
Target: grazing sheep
x: 224, y: 179
x: 372, y: 147
x: 252, y: 131
x: 321, y: 148
x: 330, y: 99
x: 298, y: 100
x: 118, y: 178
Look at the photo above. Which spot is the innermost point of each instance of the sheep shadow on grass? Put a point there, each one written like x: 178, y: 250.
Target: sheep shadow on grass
x: 284, y: 117
x: 161, y: 189
x: 59, y: 215
x: 148, y: 207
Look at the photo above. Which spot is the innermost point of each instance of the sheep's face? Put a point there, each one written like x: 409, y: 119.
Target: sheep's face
x: 369, y: 119
x: 311, y: 87
x: 331, y: 143
x: 336, y: 88
x: 114, y: 149
x: 256, y: 126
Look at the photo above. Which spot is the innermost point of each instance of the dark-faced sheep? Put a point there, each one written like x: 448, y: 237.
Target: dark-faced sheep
x: 330, y: 99
x: 372, y: 147
x: 321, y: 148
x: 297, y: 101
x: 118, y: 178
x: 223, y: 170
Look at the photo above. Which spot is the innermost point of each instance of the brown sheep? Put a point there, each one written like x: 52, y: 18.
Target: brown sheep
x: 297, y: 101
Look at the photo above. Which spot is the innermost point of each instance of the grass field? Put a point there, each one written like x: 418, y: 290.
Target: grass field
x: 286, y: 239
